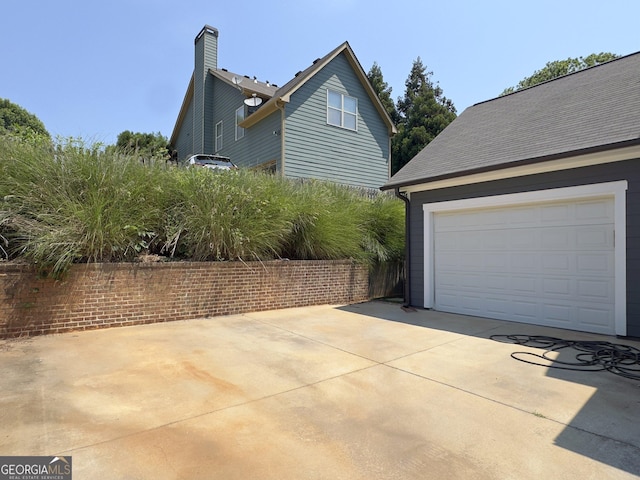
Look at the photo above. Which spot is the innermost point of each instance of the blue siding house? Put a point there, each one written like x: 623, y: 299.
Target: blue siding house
x: 326, y: 123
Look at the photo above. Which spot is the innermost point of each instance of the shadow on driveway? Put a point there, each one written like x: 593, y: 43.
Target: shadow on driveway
x: 610, y: 413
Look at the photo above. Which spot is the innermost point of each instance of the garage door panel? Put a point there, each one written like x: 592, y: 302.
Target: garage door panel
x: 472, y: 282
x: 498, y: 307
x: 558, y: 313
x: 550, y: 264
x: 557, y: 238
x: 523, y: 239
x: 558, y: 263
x: 594, y: 290
x: 525, y: 310
x: 555, y: 213
x: 523, y: 261
x: 524, y: 285
x: 557, y: 287
x: 595, y: 263
x: 597, y: 318
x: 595, y: 211
x: 493, y: 283
x: 592, y: 238
x: 448, y: 241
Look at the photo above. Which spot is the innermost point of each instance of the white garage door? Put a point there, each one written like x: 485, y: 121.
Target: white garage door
x: 545, y: 263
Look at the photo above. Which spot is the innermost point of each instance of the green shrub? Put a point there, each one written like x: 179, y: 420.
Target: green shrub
x: 385, y: 232
x: 68, y: 202
x: 328, y: 222
x: 227, y: 215
x: 76, y: 203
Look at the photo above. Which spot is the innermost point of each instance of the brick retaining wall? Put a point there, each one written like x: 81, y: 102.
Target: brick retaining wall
x: 108, y: 295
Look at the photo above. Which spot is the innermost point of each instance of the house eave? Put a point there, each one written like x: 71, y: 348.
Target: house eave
x: 262, y: 113
x: 588, y: 157
x: 284, y: 95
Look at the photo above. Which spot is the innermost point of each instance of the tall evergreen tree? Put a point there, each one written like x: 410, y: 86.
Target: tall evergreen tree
x: 383, y: 90
x: 424, y: 113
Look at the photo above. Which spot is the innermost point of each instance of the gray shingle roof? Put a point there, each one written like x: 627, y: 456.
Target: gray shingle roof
x: 248, y: 84
x: 594, y: 108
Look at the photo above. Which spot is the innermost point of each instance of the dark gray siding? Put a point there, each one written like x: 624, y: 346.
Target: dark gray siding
x: 315, y: 149
x: 209, y: 119
x: 627, y: 170
x: 184, y: 140
x: 224, y: 102
x: 263, y: 145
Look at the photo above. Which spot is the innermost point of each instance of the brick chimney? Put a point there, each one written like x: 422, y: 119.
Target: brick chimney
x: 206, y: 57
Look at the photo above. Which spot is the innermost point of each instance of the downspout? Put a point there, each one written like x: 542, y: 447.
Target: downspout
x: 280, y: 106
x: 407, y: 248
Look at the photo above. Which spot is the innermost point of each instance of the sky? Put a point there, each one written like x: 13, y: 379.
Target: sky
x: 91, y: 69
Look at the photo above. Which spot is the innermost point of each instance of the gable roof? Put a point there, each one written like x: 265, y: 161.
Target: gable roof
x: 587, y: 111
x: 248, y: 86
x: 283, y: 94
x: 277, y: 96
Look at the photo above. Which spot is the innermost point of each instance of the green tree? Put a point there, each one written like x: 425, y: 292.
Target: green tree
x: 146, y: 146
x: 559, y: 68
x: 383, y: 90
x: 424, y: 113
x: 15, y: 119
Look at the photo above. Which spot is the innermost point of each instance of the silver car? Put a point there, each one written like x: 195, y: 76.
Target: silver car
x: 215, y: 162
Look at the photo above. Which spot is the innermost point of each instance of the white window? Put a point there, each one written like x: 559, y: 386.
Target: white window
x: 218, y: 136
x: 239, y: 119
x: 342, y: 110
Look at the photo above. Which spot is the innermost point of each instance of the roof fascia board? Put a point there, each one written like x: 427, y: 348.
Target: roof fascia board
x: 578, y: 161
x: 316, y: 67
x: 362, y: 76
x: 220, y: 77
x: 263, y: 112
x: 272, y: 105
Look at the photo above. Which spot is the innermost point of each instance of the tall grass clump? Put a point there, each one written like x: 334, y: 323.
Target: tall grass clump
x: 228, y: 215
x: 70, y: 202
x: 384, y: 239
x: 328, y: 222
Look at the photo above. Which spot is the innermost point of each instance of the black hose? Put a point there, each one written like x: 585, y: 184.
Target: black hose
x: 622, y: 360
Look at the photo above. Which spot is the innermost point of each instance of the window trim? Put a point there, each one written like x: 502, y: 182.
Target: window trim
x: 219, y: 137
x: 239, y: 130
x: 342, y: 110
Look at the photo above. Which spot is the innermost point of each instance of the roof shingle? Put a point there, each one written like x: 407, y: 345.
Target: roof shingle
x: 593, y: 108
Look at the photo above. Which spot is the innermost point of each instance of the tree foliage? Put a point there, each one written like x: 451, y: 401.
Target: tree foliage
x: 383, y: 90
x: 15, y: 119
x: 145, y: 146
x: 424, y: 112
x: 559, y: 68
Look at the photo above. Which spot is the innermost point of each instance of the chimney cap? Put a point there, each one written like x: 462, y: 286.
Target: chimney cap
x: 206, y: 29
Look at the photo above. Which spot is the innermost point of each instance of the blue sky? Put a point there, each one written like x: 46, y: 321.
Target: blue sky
x: 93, y: 69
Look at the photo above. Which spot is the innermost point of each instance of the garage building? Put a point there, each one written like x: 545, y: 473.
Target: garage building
x: 527, y: 206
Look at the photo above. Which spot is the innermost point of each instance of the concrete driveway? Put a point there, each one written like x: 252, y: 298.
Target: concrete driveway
x: 366, y: 391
